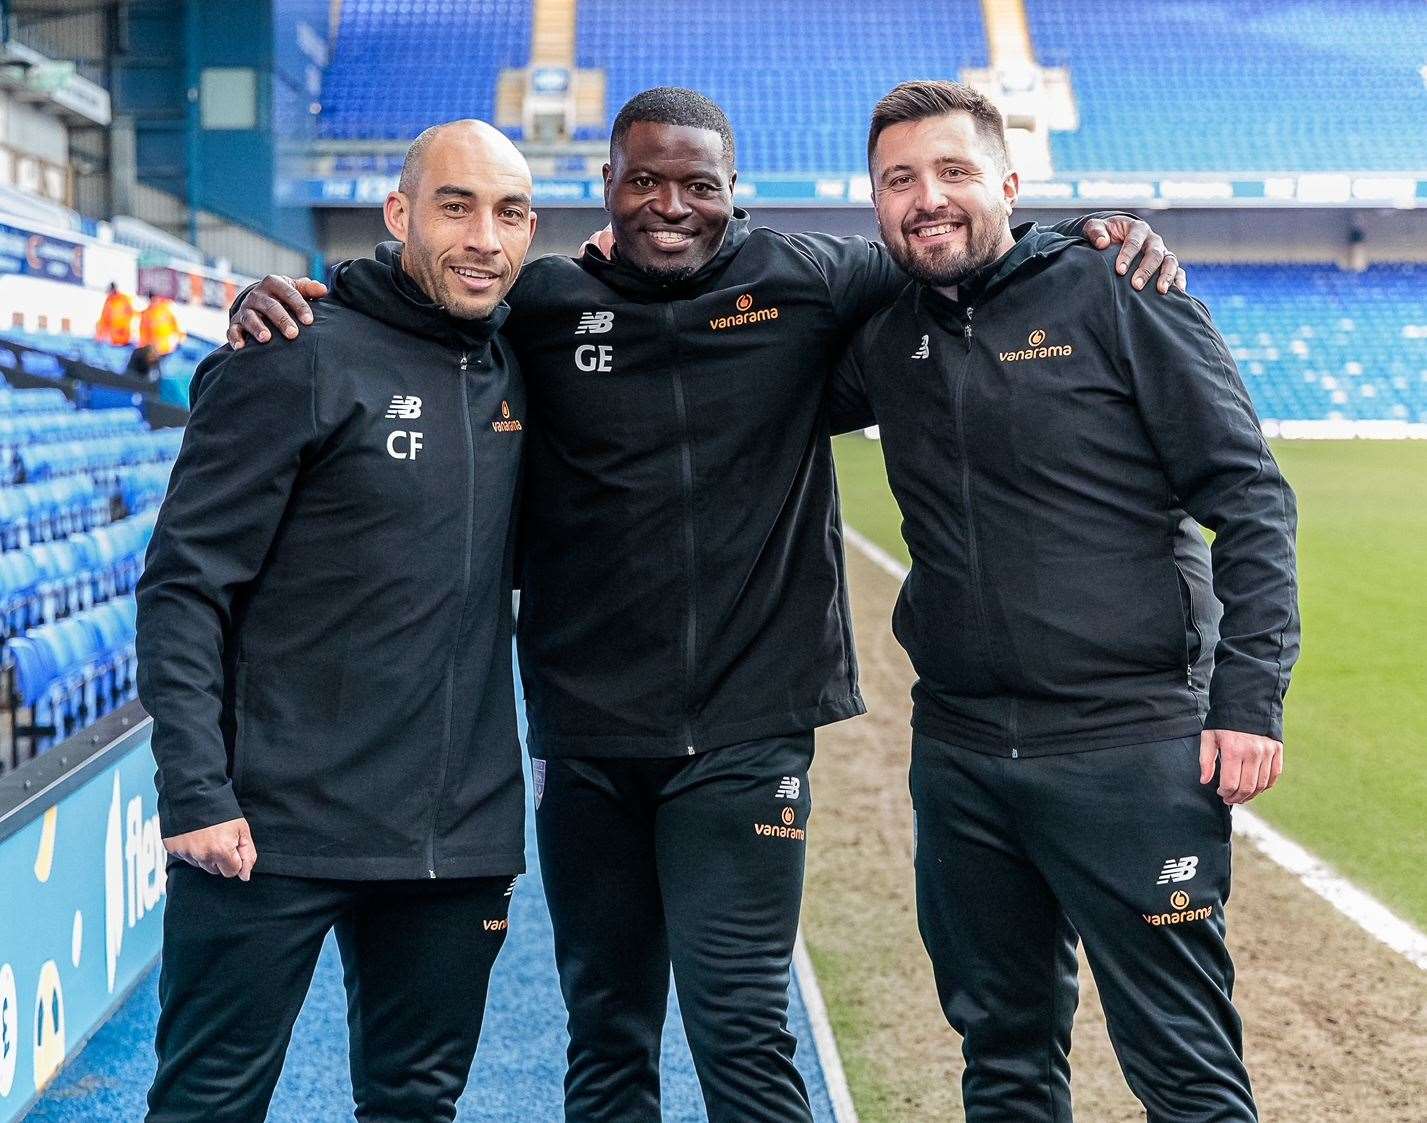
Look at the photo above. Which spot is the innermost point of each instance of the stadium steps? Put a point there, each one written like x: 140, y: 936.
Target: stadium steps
x: 552, y: 33
x: 1008, y: 34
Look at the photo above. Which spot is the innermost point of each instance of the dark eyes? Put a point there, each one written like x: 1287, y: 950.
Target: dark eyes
x: 644, y: 183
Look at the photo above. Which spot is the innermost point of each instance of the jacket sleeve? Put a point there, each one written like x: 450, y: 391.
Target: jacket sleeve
x: 849, y: 407
x: 861, y: 276
x: 251, y: 422
x: 1071, y: 227
x: 1208, y: 439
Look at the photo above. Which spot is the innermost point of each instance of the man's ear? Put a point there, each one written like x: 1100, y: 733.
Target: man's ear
x: 1010, y: 191
x: 606, y: 172
x: 397, y: 215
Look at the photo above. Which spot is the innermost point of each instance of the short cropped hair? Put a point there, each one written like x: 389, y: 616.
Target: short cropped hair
x: 411, y: 166
x: 673, y: 105
x: 919, y: 101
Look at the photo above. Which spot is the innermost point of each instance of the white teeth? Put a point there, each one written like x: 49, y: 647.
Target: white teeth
x: 669, y: 236
x: 475, y: 273
x: 937, y: 231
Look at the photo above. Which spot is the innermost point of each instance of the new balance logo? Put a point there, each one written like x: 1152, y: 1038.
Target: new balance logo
x: 509, y: 889
x: 1178, y: 869
x: 404, y: 407
x: 924, y: 350
x: 789, y: 787
x: 595, y: 323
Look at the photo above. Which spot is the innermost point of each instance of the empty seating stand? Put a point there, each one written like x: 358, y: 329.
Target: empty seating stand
x: 1315, y: 343
x: 449, y: 54
x: 79, y: 490
x: 1239, y: 85
x: 66, y: 675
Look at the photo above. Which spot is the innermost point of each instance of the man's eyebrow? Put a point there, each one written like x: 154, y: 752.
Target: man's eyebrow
x: 450, y: 189
x: 939, y: 161
x: 519, y: 197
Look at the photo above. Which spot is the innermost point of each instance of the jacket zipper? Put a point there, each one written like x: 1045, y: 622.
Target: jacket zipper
x: 460, y: 618
x: 686, y: 464
x: 971, y: 545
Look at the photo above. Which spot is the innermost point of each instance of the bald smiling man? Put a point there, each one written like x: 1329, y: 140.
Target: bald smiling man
x: 324, y: 640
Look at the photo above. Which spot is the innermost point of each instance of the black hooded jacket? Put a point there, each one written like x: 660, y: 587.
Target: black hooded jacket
x: 1046, y: 434
x: 324, y: 620
x: 683, y: 583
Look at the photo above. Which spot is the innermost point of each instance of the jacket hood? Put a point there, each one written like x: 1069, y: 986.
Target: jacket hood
x: 625, y: 278
x: 1032, y: 243
x: 379, y: 287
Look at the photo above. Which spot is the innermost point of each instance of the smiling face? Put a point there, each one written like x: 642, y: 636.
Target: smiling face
x: 942, y: 197
x: 669, y: 193
x: 466, y: 218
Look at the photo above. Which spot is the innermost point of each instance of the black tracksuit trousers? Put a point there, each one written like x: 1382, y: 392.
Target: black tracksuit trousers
x: 237, y: 961
x: 1126, y: 848
x: 694, y: 862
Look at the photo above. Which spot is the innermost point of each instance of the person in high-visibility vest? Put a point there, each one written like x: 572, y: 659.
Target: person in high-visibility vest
x: 158, y: 326
x: 116, y: 321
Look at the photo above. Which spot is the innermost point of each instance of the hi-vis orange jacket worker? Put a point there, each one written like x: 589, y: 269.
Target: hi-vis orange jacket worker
x: 158, y: 327
x: 116, y: 321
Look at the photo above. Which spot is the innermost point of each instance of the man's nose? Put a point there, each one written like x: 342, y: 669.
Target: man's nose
x: 669, y: 203
x: 482, y: 234
x: 930, y: 195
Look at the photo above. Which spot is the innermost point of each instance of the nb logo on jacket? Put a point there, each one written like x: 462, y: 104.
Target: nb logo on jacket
x: 595, y: 323
x: 404, y: 406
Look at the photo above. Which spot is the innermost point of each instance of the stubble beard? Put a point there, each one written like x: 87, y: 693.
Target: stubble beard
x: 943, y: 269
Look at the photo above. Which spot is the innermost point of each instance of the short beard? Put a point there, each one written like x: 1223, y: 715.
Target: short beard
x: 949, y: 271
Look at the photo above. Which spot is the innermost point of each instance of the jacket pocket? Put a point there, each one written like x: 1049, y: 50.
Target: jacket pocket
x: 1193, y: 638
x: 1107, y: 615
x: 291, y: 735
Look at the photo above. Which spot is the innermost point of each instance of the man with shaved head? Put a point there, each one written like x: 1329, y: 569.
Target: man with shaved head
x: 324, y: 640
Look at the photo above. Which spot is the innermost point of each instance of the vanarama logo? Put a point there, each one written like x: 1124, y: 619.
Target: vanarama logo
x: 495, y: 925
x: 786, y: 830
x: 1036, y: 350
x: 1179, y: 902
x: 746, y: 314
x: 506, y: 424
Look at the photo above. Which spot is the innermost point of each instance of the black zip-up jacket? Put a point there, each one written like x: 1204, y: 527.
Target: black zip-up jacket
x: 683, y: 580
x: 324, y: 620
x: 1045, y: 435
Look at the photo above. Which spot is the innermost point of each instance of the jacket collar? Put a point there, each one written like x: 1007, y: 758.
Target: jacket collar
x: 628, y: 280
x: 379, y: 287
x: 1033, y: 243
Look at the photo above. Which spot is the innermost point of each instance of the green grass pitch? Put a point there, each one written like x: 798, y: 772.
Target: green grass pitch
x: 1354, y: 789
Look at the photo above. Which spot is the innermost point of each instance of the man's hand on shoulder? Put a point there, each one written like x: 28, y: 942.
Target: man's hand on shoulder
x: 1136, y: 236
x: 1248, y: 763
x: 225, y: 849
x: 271, y: 305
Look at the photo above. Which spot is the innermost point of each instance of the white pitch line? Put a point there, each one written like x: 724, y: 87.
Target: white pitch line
x: 823, y: 1040
x: 1364, y: 910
